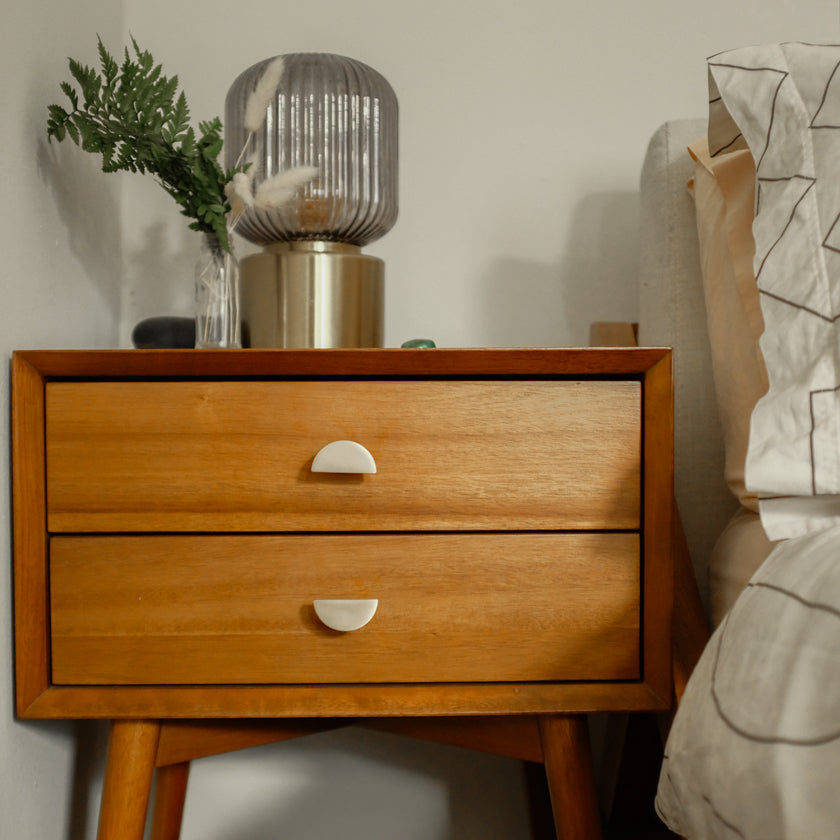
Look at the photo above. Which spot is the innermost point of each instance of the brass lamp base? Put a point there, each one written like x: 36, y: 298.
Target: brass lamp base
x: 312, y: 294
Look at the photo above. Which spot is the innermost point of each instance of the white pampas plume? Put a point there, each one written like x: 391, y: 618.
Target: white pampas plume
x: 239, y: 193
x: 262, y: 94
x: 259, y: 100
x: 280, y: 188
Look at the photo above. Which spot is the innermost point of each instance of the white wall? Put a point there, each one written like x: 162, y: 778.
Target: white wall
x: 60, y: 235
x: 523, y: 128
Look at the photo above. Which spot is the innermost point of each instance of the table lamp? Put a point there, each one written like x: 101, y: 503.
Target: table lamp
x: 312, y: 286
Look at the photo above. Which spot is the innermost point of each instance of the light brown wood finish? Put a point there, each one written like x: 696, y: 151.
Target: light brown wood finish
x: 47, y: 700
x: 132, y: 748
x: 316, y: 364
x: 170, y: 794
x: 613, y: 334
x: 630, y: 477
x: 514, y: 737
x: 658, y: 523
x: 177, y: 456
x: 29, y: 534
x: 239, y: 610
x: 568, y: 768
x: 343, y: 700
x: 690, y: 625
x: 691, y: 630
x: 182, y: 741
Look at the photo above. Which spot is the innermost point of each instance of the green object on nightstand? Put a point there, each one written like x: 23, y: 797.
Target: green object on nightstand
x: 419, y: 342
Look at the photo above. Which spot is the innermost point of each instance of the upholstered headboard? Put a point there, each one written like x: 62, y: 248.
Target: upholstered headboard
x: 672, y: 313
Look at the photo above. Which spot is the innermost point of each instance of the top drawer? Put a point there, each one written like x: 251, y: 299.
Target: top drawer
x: 236, y: 455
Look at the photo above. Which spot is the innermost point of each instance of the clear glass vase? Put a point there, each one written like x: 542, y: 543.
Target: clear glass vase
x: 217, y: 313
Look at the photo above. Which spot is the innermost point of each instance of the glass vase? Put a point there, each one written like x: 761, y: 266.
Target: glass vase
x: 217, y: 315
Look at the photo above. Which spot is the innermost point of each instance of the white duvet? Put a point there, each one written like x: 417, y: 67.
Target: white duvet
x: 754, y: 751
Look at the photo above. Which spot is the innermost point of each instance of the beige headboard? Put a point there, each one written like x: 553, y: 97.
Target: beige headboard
x: 672, y: 313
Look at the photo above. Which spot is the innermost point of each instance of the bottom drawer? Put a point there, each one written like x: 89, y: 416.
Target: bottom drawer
x: 175, y: 610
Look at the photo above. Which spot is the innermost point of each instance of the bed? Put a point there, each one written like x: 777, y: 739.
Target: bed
x: 741, y: 274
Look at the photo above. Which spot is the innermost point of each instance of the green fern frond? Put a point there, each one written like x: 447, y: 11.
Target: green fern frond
x: 134, y: 117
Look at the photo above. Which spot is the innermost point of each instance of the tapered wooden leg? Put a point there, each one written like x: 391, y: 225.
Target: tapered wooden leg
x: 132, y: 748
x: 571, y: 784
x: 170, y: 793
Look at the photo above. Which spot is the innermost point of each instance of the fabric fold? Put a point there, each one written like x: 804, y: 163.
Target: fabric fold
x: 773, y: 99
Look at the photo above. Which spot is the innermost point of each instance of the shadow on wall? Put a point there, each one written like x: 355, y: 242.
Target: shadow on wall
x: 353, y: 783
x: 91, y: 749
x: 596, y: 279
x: 160, y: 271
x: 346, y: 783
x: 88, y: 208
x: 154, y: 277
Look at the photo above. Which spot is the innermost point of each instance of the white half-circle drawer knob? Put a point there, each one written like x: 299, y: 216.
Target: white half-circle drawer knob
x: 345, y: 614
x: 344, y: 456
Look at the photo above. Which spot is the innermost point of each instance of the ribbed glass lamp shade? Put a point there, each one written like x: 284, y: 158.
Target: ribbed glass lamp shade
x: 333, y: 113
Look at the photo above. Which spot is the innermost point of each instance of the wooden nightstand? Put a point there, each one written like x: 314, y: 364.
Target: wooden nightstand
x: 171, y: 540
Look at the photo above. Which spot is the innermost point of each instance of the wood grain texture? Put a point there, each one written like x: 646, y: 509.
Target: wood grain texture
x: 29, y: 534
x: 658, y: 525
x: 236, y: 456
x: 452, y: 608
x: 170, y: 794
x: 42, y: 699
x: 493, y: 464
x: 613, y: 334
x: 691, y: 630
x: 354, y: 701
x: 185, y: 741
x: 568, y: 768
x: 128, y: 779
x: 512, y: 736
x: 408, y: 363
